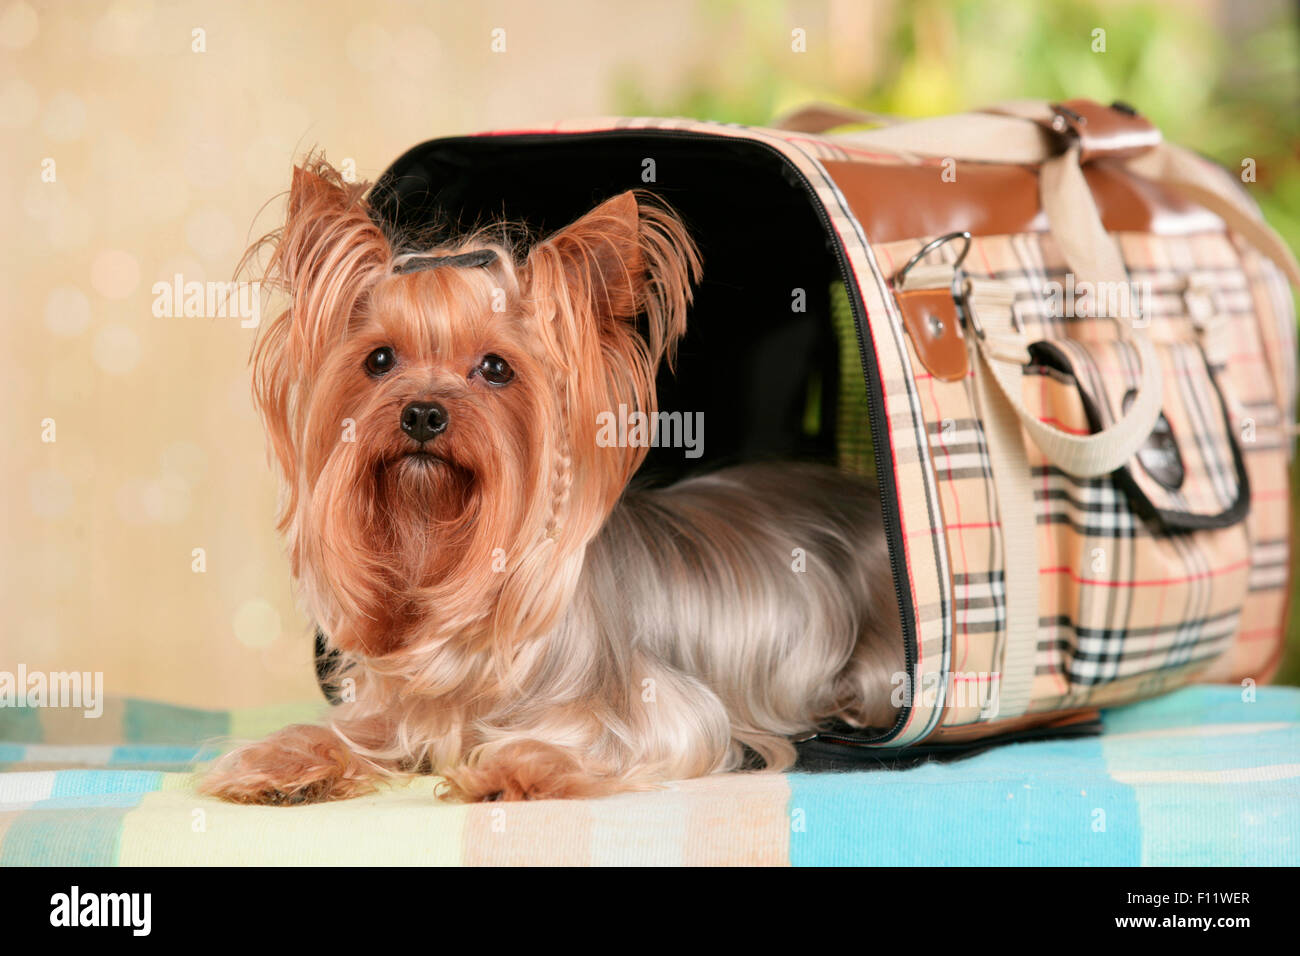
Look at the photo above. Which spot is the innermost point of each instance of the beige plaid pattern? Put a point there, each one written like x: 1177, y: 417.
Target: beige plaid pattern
x: 1126, y: 608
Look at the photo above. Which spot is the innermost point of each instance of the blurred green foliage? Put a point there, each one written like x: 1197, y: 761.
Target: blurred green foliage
x: 1222, y: 78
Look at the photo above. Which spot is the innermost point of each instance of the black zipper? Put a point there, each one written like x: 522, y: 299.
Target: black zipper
x: 826, y: 753
x: 889, y: 506
x: 885, y: 478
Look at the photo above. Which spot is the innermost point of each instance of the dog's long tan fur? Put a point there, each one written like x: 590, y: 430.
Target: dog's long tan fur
x: 516, y: 619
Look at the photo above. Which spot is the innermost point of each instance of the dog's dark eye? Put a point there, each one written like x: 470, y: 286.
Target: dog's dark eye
x: 495, y: 370
x: 380, y: 361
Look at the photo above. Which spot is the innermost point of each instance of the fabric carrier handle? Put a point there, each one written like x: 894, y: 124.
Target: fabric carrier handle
x: 1061, y: 139
x: 988, y: 305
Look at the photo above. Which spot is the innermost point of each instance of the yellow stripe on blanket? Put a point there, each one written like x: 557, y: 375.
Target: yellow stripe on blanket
x: 406, y: 825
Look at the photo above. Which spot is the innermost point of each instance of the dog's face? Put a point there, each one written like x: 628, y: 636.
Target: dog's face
x: 436, y: 425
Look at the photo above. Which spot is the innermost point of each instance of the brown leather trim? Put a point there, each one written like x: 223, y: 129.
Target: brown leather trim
x: 1107, y: 131
x: 894, y: 202
x: 991, y: 728
x: 930, y: 316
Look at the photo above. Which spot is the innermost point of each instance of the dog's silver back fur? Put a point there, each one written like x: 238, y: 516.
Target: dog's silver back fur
x: 764, y: 592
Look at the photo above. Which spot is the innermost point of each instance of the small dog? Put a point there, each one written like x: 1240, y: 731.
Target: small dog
x: 516, y: 619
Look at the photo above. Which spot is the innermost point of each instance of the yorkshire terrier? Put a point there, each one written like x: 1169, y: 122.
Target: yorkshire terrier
x: 516, y: 618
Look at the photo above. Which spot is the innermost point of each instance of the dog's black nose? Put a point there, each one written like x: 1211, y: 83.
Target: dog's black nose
x: 424, y: 421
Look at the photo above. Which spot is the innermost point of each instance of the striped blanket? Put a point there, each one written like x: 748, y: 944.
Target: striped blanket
x: 1197, y: 777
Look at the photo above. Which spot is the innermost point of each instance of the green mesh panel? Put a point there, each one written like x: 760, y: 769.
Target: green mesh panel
x: 852, y: 426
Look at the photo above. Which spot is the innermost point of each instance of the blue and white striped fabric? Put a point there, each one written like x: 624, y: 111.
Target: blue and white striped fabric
x: 1198, y: 777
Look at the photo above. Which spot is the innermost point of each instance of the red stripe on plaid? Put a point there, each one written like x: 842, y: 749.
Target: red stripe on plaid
x: 967, y: 526
x: 1259, y: 634
x: 1271, y: 495
x: 1060, y: 425
x: 526, y: 132
x: 1155, y: 583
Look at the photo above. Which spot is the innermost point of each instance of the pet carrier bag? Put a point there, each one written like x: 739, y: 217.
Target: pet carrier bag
x: 1065, y: 349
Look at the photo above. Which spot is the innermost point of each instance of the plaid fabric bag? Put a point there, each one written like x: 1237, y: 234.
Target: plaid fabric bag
x: 1070, y: 344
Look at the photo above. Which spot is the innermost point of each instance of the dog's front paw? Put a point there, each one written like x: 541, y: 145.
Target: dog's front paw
x: 528, y: 770
x: 300, y: 764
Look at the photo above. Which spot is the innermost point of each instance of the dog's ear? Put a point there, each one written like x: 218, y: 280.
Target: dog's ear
x: 313, y: 186
x: 327, y: 255
x: 602, y: 257
x: 324, y: 259
x: 629, y: 256
x: 611, y: 293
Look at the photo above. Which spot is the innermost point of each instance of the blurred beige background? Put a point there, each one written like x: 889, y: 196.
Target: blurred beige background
x: 127, y: 155
x: 161, y: 157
